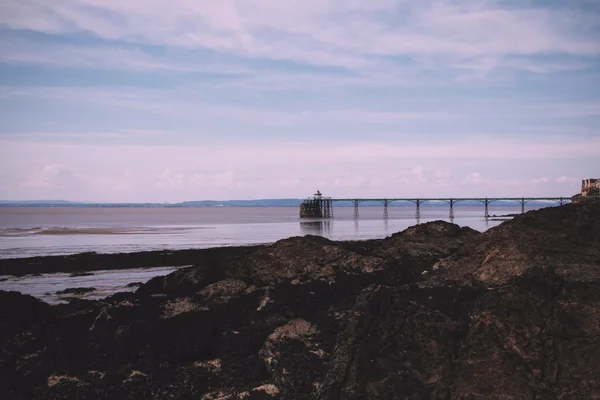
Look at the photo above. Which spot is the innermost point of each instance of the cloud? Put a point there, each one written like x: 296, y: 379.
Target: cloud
x: 17, y: 50
x: 168, y: 179
x: 183, y: 115
x: 53, y: 181
x: 55, y: 176
x: 259, y: 169
x: 567, y: 179
x: 347, y: 67
x: 540, y: 181
x: 347, y: 34
x: 475, y: 179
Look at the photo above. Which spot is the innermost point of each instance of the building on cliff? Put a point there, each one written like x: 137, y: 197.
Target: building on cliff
x: 590, y: 187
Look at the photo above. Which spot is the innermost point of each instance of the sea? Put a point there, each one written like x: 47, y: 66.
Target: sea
x: 45, y: 231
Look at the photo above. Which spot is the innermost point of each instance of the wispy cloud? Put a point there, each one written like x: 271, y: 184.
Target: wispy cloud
x: 333, y: 32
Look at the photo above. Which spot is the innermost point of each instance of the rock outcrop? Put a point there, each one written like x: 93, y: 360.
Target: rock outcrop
x: 434, y: 312
x: 563, y: 238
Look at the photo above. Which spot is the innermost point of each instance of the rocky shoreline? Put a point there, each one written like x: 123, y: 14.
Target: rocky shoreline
x: 433, y: 312
x: 91, y: 261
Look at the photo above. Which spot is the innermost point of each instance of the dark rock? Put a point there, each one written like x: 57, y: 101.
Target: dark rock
x: 20, y: 315
x: 18, y: 311
x: 426, y: 242
x: 510, y: 313
x: 564, y: 238
x: 286, y: 353
x: 92, y: 261
x: 79, y: 290
x: 306, y: 258
x: 225, y: 290
x: 81, y: 273
x: 134, y: 284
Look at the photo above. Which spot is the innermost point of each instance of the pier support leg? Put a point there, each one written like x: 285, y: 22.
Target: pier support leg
x: 486, y: 214
x: 418, y: 213
x: 451, y: 208
x: 523, y: 205
x: 326, y: 206
x: 385, y: 209
x: 355, y: 209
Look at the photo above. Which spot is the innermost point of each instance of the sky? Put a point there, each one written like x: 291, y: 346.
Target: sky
x: 168, y: 101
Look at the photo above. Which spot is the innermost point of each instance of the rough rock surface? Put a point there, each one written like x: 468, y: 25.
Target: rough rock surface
x: 79, y: 290
x: 563, y: 238
x: 513, y: 313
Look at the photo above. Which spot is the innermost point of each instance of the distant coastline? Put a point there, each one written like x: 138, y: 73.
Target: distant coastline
x: 199, y: 203
x: 232, y: 203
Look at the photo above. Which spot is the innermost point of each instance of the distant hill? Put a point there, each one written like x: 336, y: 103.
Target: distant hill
x: 64, y: 203
x: 37, y: 202
x: 198, y: 203
x: 243, y: 203
x: 240, y: 203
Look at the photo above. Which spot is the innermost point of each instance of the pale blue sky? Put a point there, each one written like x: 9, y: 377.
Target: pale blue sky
x: 107, y: 100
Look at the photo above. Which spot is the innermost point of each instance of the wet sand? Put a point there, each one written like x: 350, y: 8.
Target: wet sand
x: 108, y: 231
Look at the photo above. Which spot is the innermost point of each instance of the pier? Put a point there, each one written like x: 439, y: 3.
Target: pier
x: 317, y: 207
x: 322, y: 207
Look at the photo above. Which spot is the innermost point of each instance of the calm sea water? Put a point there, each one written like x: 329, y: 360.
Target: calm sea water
x: 26, y: 232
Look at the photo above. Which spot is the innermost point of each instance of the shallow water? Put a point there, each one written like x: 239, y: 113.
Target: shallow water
x: 26, y: 232
x: 45, y: 286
